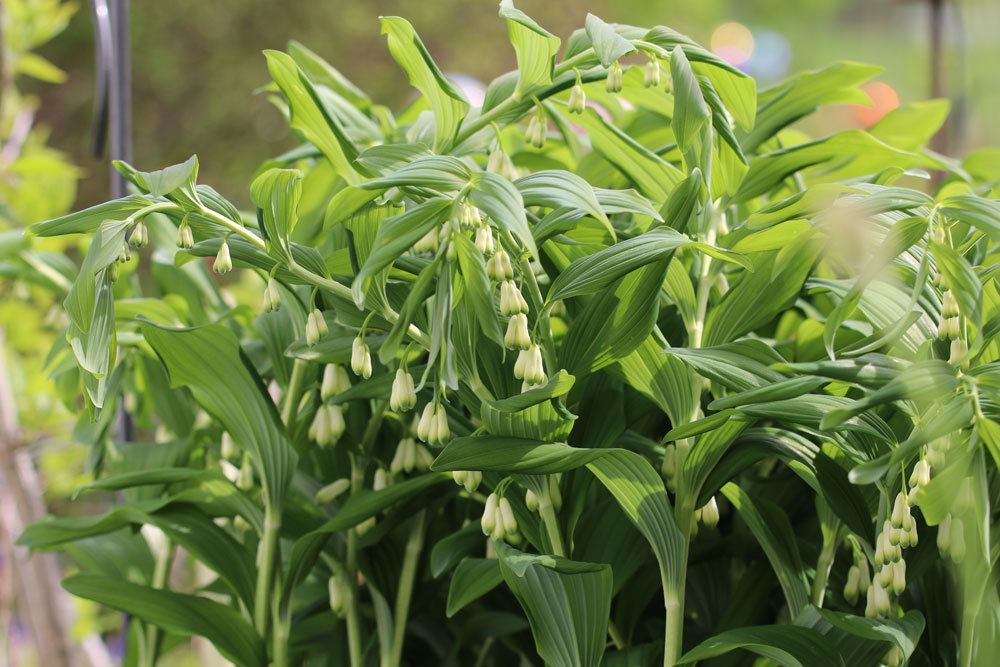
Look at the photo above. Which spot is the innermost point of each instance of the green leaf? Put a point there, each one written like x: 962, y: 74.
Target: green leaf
x: 472, y: 579
x: 651, y: 174
x: 567, y: 603
x: 981, y: 213
x: 185, y: 615
x: 477, y: 287
x: 89, y: 219
x: 864, y: 641
x: 395, y: 236
x: 770, y: 526
x: 608, y: 44
x: 310, y: 117
x: 555, y: 188
x: 598, y: 271
x: 690, y: 110
x: 740, y: 366
x: 535, y: 48
x: 499, y: 199
x: 276, y: 195
x: 661, y: 377
x: 209, y: 361
x: 961, y: 279
x: 445, y: 99
x: 801, y: 95
x: 788, y: 645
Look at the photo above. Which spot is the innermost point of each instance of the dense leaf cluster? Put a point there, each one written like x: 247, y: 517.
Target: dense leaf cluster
x: 704, y: 383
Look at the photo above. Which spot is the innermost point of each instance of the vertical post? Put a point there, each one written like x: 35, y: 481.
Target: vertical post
x: 941, y: 141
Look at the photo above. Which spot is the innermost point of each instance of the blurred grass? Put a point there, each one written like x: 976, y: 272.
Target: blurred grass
x: 196, y: 64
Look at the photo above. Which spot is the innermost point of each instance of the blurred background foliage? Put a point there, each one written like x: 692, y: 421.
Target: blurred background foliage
x: 196, y: 64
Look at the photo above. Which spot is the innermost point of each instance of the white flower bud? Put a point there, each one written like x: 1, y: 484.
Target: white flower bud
x: 427, y: 243
x: 459, y: 476
x: 380, y: 480
x: 185, y: 237
x: 921, y: 474
x: 531, y: 500
x: 140, y: 236
x: 957, y: 550
x: 959, y: 350
x: 484, y: 240
x: 949, y: 305
x: 710, y: 513
x: 884, y: 576
x: 245, y: 480
x: 361, y: 358
x: 517, y: 336
x: 335, y: 381
x: 440, y: 433
x: 321, y: 326
x: 651, y: 77
x: 489, y: 520
x: 534, y: 368
x: 272, y: 295
x: 337, y: 590
x: 511, y: 299
x: 883, y: 605
x: 331, y: 491
x: 616, y: 76
x: 223, y: 262
x: 851, y: 588
x: 403, y: 397
x: 424, y: 458
x: 893, y: 657
x: 499, y: 163
x: 472, y: 480
x: 507, y: 516
x: 537, y: 131
x: 899, y: 577
x: 425, y: 423
x: 498, y: 267
x: 365, y: 526
x: 125, y: 254
x: 312, y: 333
x: 230, y: 450
x: 577, y: 99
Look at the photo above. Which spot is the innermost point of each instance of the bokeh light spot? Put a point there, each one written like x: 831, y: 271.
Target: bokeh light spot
x: 733, y: 42
x: 884, y: 99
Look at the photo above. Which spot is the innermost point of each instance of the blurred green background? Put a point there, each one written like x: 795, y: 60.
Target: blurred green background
x: 196, y: 63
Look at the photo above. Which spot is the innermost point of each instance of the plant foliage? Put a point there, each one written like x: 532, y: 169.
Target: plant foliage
x: 705, y: 385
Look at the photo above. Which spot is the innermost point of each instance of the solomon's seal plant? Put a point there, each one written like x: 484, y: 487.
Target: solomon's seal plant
x: 705, y: 384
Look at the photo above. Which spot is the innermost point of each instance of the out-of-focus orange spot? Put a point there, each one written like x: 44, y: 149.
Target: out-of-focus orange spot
x: 884, y: 99
x: 733, y: 42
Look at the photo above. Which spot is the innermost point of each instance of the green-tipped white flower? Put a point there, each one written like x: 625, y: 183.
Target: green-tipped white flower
x: 469, y: 216
x: 944, y: 536
x: 558, y: 309
x: 489, y: 521
x: 669, y: 465
x: 339, y: 594
x: 125, y: 254
x: 710, y: 513
x: 616, y: 76
x: 229, y: 449
x: 335, y: 381
x: 380, y: 480
x: 113, y: 272
x: 272, y: 296
x: 321, y: 325
x: 900, y: 509
x: 893, y: 657
x: 879, y: 603
x: 507, y: 516
x: 365, y: 526
x: 959, y: 350
x: 898, y: 577
x: 245, y: 480
x: 577, y: 98
x: 884, y: 576
x: 517, y: 336
x: 403, y: 397
x: 498, y: 267
x: 949, y: 328
x: 919, y: 478
x: 428, y: 242
x: 511, y: 299
x: 949, y: 305
x: 426, y: 422
x: 530, y: 365
x: 223, y: 261
x: 531, y: 500
x: 315, y: 327
x: 332, y: 491
x: 185, y: 237
x: 328, y: 425
x: 439, y: 433
x: 537, y: 131
x: 651, y: 78
x: 361, y: 358
x: 484, y: 240
x: 469, y: 479
x: 852, y: 588
x: 957, y: 547
x: 140, y: 235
